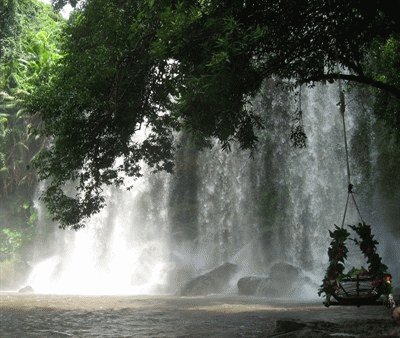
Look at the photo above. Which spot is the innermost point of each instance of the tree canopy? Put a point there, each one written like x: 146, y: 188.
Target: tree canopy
x: 159, y: 66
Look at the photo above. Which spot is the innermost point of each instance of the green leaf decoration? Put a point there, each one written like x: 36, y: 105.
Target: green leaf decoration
x: 337, y: 253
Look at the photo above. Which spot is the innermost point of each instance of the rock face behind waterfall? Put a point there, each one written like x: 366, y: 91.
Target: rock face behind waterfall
x: 215, y: 281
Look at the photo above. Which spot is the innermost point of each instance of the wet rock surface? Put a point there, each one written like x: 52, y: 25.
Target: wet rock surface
x: 285, y: 272
x: 284, y: 280
x: 215, y: 281
x: 26, y: 289
x: 251, y: 285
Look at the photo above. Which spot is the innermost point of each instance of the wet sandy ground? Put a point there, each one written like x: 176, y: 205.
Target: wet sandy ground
x: 169, y: 316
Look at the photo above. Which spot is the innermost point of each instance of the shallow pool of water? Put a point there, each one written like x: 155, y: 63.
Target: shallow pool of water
x: 159, y: 316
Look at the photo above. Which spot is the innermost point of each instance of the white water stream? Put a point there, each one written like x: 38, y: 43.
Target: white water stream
x: 122, y: 250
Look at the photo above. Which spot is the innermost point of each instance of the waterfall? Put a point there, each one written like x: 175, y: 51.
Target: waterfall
x: 122, y: 250
x: 219, y: 207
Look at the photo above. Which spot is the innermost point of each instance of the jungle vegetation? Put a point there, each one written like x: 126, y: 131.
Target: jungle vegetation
x: 29, y: 42
x: 161, y: 66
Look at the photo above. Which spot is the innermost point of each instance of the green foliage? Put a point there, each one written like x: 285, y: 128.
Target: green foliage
x: 109, y: 93
x: 193, y: 65
x: 29, y: 38
x: 368, y: 246
x: 29, y: 52
x: 10, y: 240
x: 18, y: 221
x: 384, y: 65
x: 338, y: 251
x: 59, y: 4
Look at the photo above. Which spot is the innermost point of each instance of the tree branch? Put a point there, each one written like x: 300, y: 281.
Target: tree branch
x: 390, y: 89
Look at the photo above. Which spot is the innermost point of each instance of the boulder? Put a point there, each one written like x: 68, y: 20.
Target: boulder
x: 285, y: 278
x: 215, y: 281
x: 285, y: 272
x: 251, y: 285
x: 26, y: 289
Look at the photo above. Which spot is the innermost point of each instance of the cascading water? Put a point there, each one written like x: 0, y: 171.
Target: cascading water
x: 122, y: 250
x: 217, y: 207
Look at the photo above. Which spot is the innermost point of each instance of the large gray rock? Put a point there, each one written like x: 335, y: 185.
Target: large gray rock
x: 284, y: 280
x: 26, y: 289
x: 284, y: 272
x: 215, y: 281
x: 251, y: 285
x: 258, y: 286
